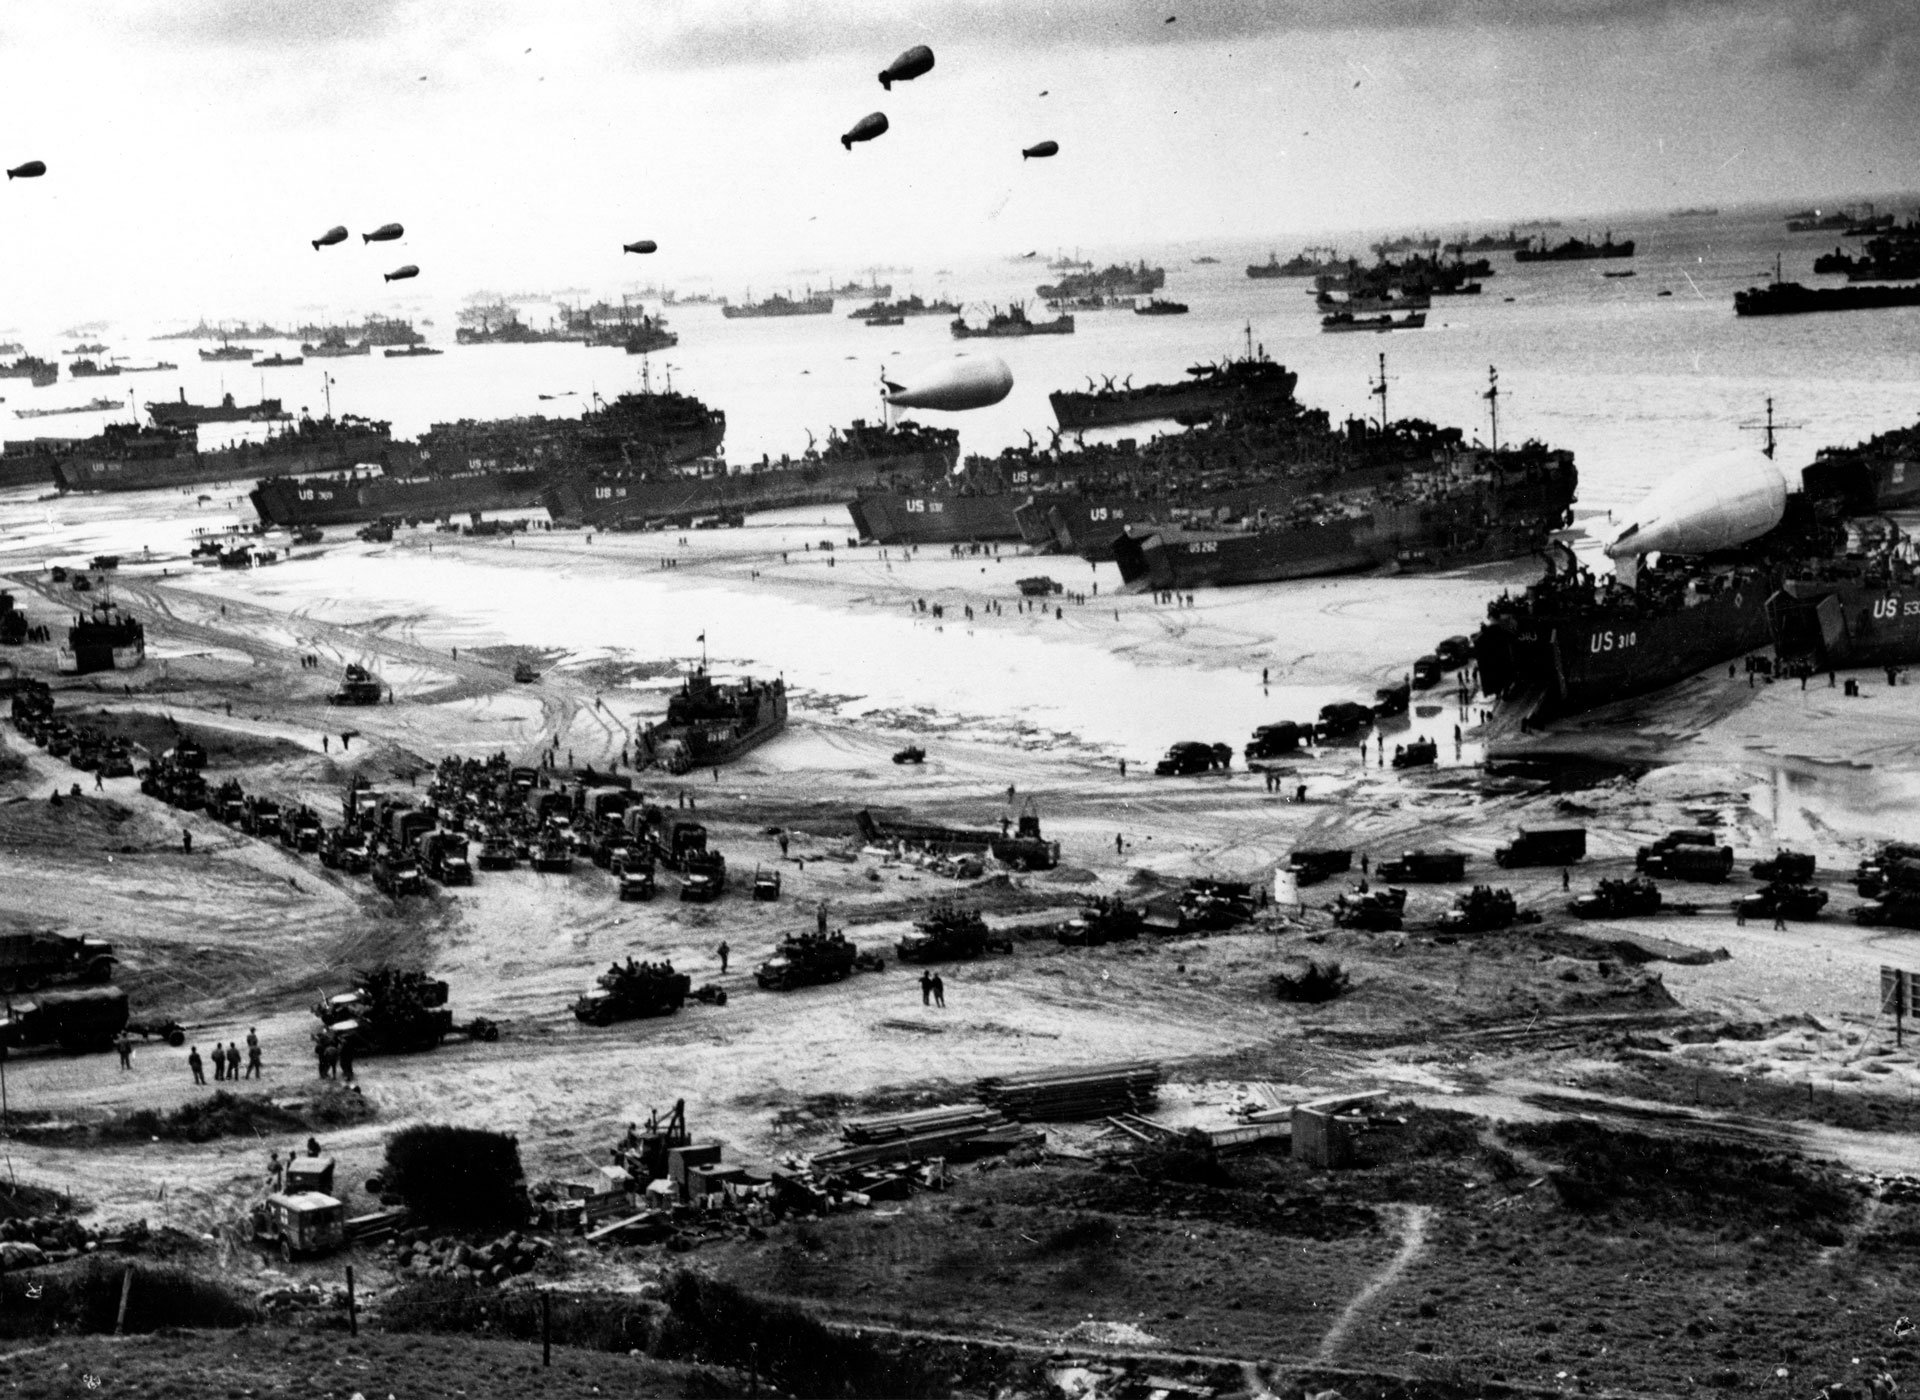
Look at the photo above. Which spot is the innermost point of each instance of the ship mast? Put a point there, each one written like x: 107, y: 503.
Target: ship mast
x: 1492, y: 396
x: 1770, y: 430
x: 1379, y: 390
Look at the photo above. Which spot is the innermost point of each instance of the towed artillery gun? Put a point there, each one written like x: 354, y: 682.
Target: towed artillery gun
x: 806, y: 958
x: 625, y: 991
x: 950, y: 932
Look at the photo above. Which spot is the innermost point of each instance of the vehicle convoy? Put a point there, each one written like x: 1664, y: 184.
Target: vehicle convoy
x: 630, y: 989
x: 1104, y: 920
x: 77, y: 1019
x: 703, y: 877
x: 806, y: 958
x: 1618, y: 899
x: 1377, y: 911
x: 443, y: 854
x: 1429, y: 867
x: 1194, y: 757
x: 1782, y: 899
x: 390, y: 1010
x: 950, y: 932
x: 1484, y: 909
x: 1543, y: 845
x: 30, y: 960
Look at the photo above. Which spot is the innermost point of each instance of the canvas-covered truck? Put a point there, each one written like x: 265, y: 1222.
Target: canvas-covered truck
x: 77, y: 1020
x: 301, y: 1224
x: 30, y: 960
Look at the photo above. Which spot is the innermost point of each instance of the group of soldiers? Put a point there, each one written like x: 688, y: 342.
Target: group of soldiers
x: 334, y: 1053
x: 226, y: 1060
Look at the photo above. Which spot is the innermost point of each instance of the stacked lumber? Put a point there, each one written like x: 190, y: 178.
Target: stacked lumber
x: 1090, y: 1091
x: 957, y: 1133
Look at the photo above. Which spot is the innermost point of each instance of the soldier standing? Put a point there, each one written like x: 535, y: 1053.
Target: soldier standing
x: 253, y: 1056
x: 124, y: 1044
x: 194, y: 1063
x: 219, y: 1063
x: 820, y: 918
x: 724, y: 950
x: 939, y: 991
x: 233, y: 1062
x: 346, y: 1060
x: 926, y: 987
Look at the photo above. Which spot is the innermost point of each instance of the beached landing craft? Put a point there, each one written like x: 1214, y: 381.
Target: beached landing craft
x: 709, y: 724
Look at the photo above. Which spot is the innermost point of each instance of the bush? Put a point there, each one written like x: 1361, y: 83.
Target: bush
x: 461, y: 1178
x: 1316, y: 981
x: 728, y: 1326
x: 84, y: 1296
x: 239, y: 1115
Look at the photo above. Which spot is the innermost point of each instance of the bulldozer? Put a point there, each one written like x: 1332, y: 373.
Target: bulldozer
x: 950, y: 932
x: 632, y: 989
x: 806, y: 958
x: 1618, y: 899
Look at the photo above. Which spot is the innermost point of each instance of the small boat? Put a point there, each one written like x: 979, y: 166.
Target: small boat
x: 885, y: 320
x: 912, y: 753
x: 1628, y: 273
x: 411, y: 351
x: 279, y: 361
x: 1157, y: 307
x: 1347, y: 321
x: 93, y: 406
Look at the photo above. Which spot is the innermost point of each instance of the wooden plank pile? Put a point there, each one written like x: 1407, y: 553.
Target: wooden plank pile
x: 1089, y: 1091
x: 957, y: 1132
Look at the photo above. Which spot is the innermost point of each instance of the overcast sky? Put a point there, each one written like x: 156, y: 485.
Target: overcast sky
x: 195, y: 146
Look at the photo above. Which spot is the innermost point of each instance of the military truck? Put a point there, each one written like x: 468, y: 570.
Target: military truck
x: 77, y: 1019
x: 1483, y: 909
x: 1193, y: 757
x: 950, y: 932
x: 631, y: 989
x: 1793, y: 867
x: 390, y: 1010
x: 1312, y: 866
x: 1784, y: 899
x: 300, y: 830
x: 1377, y: 911
x: 1428, y: 867
x: 1284, y: 739
x: 1390, y: 701
x: 1453, y: 652
x: 806, y: 958
x: 1894, y: 909
x: 1618, y: 899
x: 1343, y: 720
x: 636, y: 880
x: 1426, y: 672
x: 703, y: 878
x: 396, y: 874
x: 300, y: 1224
x: 443, y: 856
x: 1686, y: 861
x: 30, y: 960
x: 1416, y: 753
x: 1208, y: 905
x: 497, y: 852
x: 1104, y: 920
x: 1543, y: 845
x: 260, y: 816
x: 227, y: 803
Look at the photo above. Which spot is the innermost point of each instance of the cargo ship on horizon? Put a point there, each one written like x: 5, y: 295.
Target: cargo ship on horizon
x: 1572, y: 250
x: 778, y: 305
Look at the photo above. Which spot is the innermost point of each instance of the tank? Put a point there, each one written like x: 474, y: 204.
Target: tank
x: 628, y: 990
x: 1103, y: 921
x: 1377, y: 911
x: 1484, y: 909
x: 1783, y: 899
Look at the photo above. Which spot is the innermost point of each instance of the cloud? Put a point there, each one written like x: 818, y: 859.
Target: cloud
x: 275, y: 24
